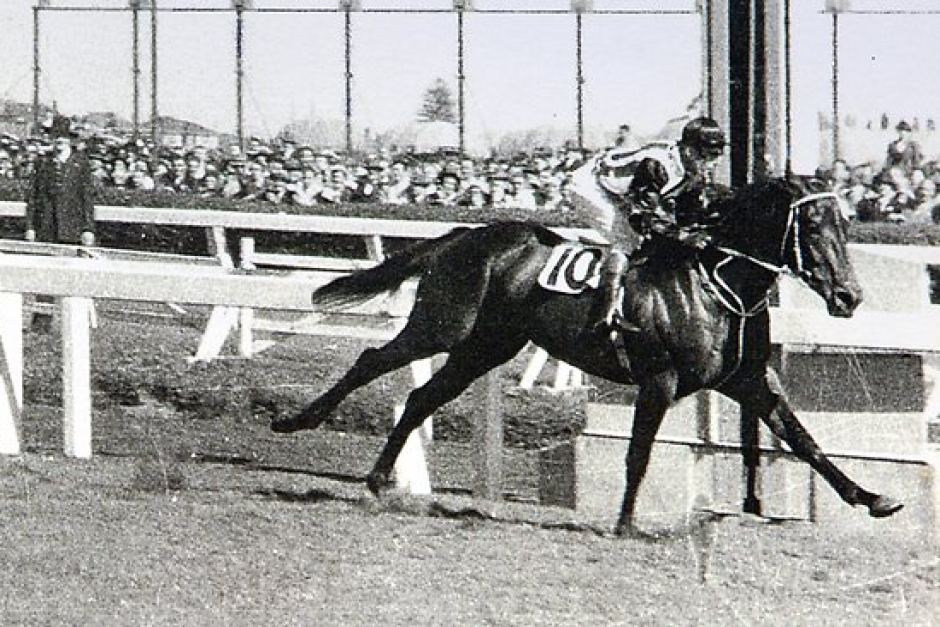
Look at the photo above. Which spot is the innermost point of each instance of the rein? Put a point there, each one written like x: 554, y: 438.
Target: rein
x: 793, y: 227
x: 734, y: 304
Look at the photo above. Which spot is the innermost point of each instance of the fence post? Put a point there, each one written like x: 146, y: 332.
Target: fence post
x: 222, y: 319
x: 246, y: 315
x: 76, y: 375
x: 411, y: 468
x: 374, y: 247
x: 489, y: 439
x: 536, y: 363
x: 11, y: 363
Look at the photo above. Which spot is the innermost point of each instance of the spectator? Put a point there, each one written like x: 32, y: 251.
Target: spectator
x: 195, y: 172
x: 882, y: 203
x: 625, y: 138
x: 367, y: 185
x: 120, y: 175
x: 904, y: 151
x: 231, y: 186
x: 447, y: 192
x: 7, y: 171
x: 210, y: 185
x: 520, y: 194
x: 499, y: 185
x: 140, y: 177
x: 175, y: 178
x: 474, y: 197
x: 926, y: 203
x: 59, y: 204
x: 398, y: 191
x: 337, y: 189
x: 276, y: 189
x: 422, y: 188
x: 549, y: 196
x: 253, y: 183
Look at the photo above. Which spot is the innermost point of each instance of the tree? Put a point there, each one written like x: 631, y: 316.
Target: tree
x: 438, y: 104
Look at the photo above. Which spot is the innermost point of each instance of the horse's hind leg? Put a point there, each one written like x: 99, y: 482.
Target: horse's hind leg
x: 465, y: 363
x: 764, y: 396
x: 371, y: 364
x: 653, y: 400
x: 444, y: 314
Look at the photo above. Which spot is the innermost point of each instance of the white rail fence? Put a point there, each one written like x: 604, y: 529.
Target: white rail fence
x: 374, y: 232
x: 134, y: 276
x: 890, y: 320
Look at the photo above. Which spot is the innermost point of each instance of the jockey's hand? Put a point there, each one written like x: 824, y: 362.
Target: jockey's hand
x: 697, y: 239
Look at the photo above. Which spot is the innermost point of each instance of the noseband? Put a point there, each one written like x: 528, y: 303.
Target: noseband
x: 793, y: 226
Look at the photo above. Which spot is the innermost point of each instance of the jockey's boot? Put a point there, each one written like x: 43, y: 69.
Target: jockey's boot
x: 613, y: 320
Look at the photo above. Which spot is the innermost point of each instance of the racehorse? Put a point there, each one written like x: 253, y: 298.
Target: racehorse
x: 703, y: 323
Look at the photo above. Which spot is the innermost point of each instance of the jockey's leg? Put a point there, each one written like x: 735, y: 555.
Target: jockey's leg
x: 612, y: 288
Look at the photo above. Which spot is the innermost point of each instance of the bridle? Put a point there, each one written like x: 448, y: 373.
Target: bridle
x: 791, y: 234
x: 730, y: 299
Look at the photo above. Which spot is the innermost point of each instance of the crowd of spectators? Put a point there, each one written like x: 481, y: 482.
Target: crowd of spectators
x: 903, y: 188
x: 285, y: 172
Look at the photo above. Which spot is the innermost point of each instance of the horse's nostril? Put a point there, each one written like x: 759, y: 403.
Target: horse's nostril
x: 846, y: 298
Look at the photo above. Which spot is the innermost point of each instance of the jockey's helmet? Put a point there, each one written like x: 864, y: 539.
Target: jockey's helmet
x: 704, y: 135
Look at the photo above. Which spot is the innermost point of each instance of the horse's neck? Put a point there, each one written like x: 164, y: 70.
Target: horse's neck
x: 745, y: 279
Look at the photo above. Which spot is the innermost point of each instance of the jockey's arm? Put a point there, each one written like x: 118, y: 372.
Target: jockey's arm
x: 650, y: 214
x: 647, y: 215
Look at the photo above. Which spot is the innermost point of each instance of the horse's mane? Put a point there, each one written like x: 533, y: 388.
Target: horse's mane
x: 751, y: 206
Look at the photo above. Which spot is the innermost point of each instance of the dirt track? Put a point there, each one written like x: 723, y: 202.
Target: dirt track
x: 196, y: 519
x: 102, y: 542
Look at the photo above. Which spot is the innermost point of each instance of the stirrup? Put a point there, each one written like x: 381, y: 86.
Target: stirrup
x: 620, y: 324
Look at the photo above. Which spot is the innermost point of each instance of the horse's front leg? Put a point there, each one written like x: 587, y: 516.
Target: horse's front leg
x: 763, y: 396
x: 653, y: 400
x: 750, y: 452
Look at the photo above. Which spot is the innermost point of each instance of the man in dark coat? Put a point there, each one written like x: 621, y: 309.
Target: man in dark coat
x: 59, y: 204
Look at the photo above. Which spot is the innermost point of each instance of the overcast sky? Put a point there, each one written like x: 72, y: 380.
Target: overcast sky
x: 520, y: 69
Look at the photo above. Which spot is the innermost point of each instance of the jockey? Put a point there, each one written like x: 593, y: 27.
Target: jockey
x: 661, y: 189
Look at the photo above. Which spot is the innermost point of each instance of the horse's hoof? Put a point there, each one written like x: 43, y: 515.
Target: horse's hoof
x: 377, y: 483
x: 884, y: 506
x: 626, y: 530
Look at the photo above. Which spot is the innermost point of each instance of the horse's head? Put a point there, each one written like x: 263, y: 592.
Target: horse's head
x: 814, y: 247
x: 795, y: 223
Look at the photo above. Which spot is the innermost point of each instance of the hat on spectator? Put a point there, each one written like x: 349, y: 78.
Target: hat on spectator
x: 883, y: 179
x: 61, y: 127
x: 903, y: 126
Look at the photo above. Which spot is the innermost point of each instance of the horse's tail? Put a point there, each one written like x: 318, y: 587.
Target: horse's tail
x: 360, y: 286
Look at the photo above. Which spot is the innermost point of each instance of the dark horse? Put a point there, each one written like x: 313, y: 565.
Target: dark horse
x: 704, y: 322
